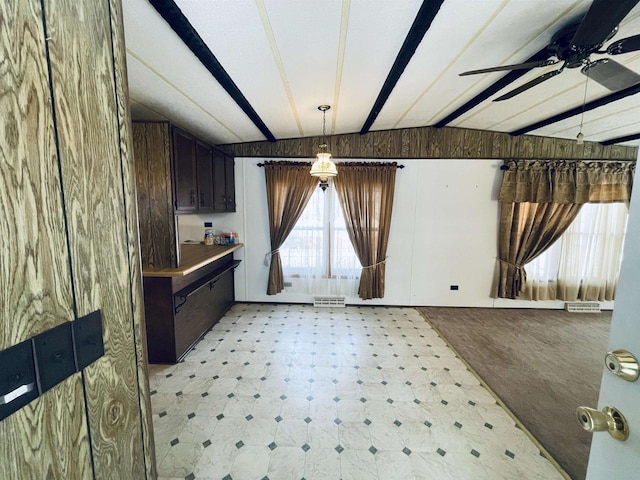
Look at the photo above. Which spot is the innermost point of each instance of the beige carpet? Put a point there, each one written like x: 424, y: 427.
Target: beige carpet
x: 541, y: 363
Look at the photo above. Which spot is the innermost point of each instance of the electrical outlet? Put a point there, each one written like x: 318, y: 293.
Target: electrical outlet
x: 453, y: 287
x: 287, y: 284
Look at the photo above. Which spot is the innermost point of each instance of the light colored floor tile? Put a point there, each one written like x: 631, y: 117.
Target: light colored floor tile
x: 251, y: 462
x: 358, y: 465
x: 322, y: 464
x: 357, y: 393
x: 286, y: 463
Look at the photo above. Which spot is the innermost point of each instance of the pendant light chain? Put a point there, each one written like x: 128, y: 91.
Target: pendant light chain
x: 584, y: 101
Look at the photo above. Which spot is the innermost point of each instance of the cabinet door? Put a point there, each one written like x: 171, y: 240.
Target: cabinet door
x: 230, y: 182
x: 205, y: 176
x: 219, y: 182
x: 184, y: 168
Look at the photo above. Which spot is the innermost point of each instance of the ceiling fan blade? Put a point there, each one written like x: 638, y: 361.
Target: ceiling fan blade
x: 603, y: 16
x: 517, y: 66
x: 528, y: 85
x: 624, y: 45
x: 611, y: 74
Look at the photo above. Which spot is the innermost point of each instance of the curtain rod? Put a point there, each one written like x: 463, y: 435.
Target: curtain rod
x: 309, y: 163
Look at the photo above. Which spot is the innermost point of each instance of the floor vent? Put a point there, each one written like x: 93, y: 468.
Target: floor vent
x: 328, y: 302
x: 582, y: 307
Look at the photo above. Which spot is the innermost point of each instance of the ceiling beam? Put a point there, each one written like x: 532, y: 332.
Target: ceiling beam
x: 508, y: 79
x: 421, y: 24
x: 600, y: 102
x: 626, y: 138
x: 183, y: 28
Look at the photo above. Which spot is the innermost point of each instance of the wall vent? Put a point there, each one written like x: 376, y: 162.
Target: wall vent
x: 328, y: 302
x: 582, y: 307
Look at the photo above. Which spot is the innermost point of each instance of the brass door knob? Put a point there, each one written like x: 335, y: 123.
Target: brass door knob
x: 609, y: 419
x: 623, y: 364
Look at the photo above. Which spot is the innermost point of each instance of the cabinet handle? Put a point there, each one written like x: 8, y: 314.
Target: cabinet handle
x: 224, y: 199
x: 193, y: 197
x: 230, y: 200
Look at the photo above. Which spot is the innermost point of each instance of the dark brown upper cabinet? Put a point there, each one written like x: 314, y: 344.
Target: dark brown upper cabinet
x: 205, y: 175
x: 223, y: 182
x: 185, y: 182
x: 229, y: 182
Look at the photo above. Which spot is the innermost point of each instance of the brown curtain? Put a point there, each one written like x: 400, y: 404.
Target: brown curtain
x: 527, y: 230
x: 538, y: 201
x: 365, y: 191
x: 560, y: 181
x: 289, y: 188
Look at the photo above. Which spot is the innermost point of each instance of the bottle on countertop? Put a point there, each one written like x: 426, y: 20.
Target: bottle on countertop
x: 208, y: 233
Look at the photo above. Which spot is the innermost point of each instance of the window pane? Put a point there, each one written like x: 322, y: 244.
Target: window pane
x: 302, y: 251
x: 320, y: 238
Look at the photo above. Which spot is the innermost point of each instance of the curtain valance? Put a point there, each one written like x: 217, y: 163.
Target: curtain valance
x: 561, y: 181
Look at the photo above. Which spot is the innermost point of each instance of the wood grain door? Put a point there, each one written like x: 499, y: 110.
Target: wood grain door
x: 230, y: 179
x: 205, y: 176
x: 219, y: 182
x: 70, y: 240
x: 184, y: 171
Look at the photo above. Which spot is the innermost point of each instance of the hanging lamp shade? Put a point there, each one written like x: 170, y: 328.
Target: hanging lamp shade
x: 323, y: 167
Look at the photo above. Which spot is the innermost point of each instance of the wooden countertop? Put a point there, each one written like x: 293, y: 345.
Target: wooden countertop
x: 193, y: 257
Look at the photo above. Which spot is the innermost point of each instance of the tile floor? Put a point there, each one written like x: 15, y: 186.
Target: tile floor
x: 284, y: 392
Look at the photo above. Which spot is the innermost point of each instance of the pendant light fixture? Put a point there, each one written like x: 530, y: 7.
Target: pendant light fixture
x: 323, y: 167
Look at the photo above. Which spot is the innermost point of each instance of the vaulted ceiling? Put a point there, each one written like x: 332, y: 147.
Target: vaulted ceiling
x: 380, y: 64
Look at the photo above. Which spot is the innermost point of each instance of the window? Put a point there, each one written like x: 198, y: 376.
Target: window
x: 584, y: 263
x: 319, y: 245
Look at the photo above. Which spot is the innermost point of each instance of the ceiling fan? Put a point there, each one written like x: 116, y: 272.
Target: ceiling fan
x: 574, y: 44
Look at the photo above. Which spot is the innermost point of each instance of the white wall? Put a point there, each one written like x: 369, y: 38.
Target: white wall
x: 443, y: 232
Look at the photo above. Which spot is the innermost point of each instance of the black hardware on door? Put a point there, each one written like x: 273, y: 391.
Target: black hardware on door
x: 34, y: 366
x: 18, y: 384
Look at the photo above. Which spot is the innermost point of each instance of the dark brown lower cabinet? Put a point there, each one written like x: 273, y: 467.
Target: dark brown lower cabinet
x: 179, y: 310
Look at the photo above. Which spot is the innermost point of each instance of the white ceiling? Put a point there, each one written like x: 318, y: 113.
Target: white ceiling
x: 289, y: 56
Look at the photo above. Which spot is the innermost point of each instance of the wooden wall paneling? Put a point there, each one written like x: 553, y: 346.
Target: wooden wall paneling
x: 564, y: 148
x: 381, y: 144
x: 587, y: 151
x: 366, y: 145
x: 606, y: 151
x: 501, y: 145
x: 487, y: 145
x: 48, y: 438
x: 143, y: 187
x: 347, y: 145
x: 525, y: 146
x: 163, y: 236
x: 277, y: 150
x: 292, y: 147
x: 596, y: 150
x: 454, y: 142
x: 405, y: 145
x: 435, y: 143
x: 473, y: 143
x: 344, y: 145
x: 428, y: 142
x: 618, y: 151
x: 257, y: 149
x: 547, y: 148
x: 416, y: 137
x: 135, y: 270
x: 88, y: 138
x: 395, y: 144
